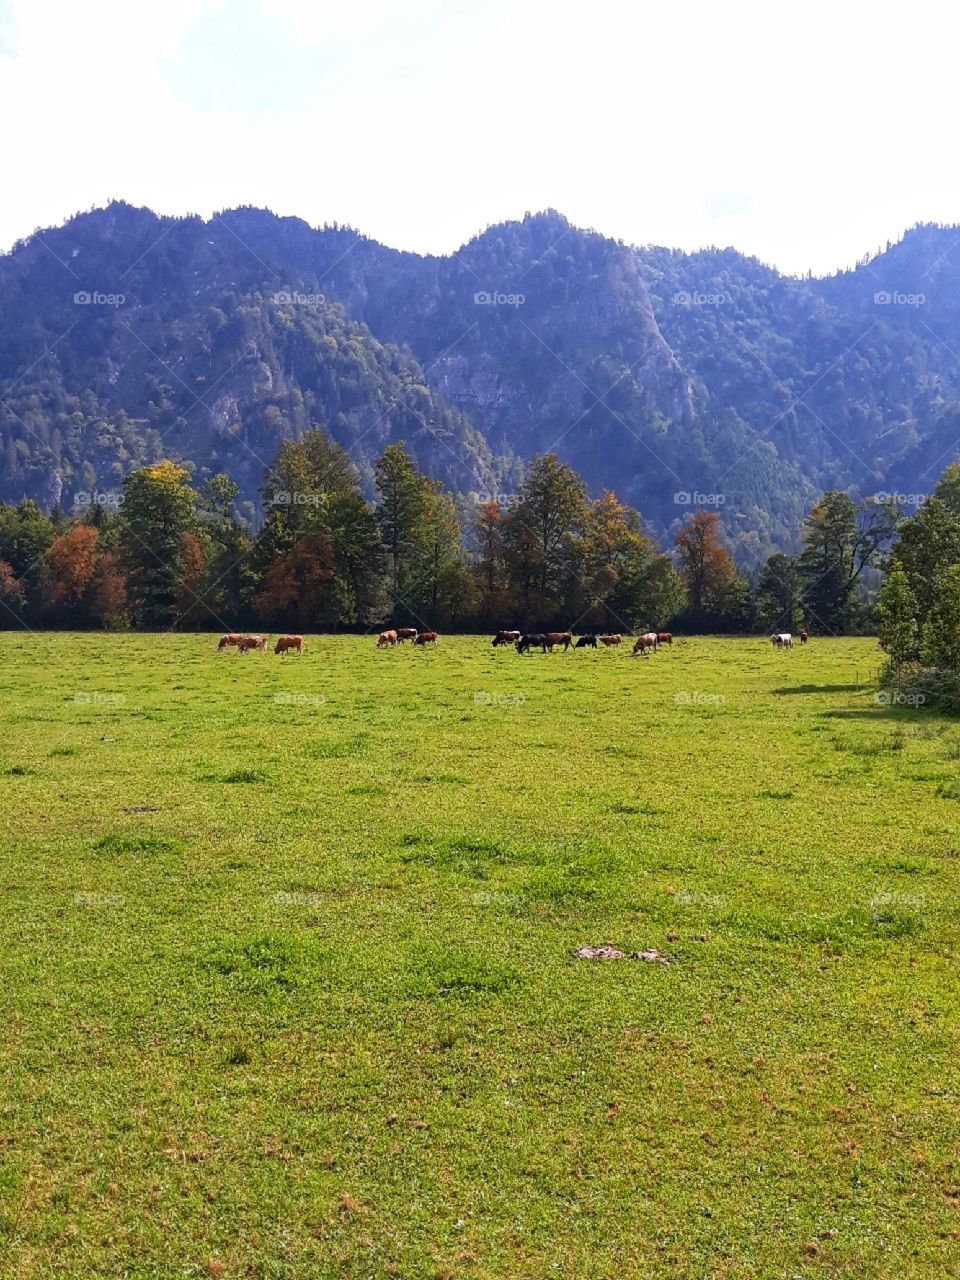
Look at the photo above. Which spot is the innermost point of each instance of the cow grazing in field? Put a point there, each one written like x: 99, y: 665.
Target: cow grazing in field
x: 804, y: 637
x: 387, y: 639
x: 287, y: 644
x: 506, y: 637
x: 426, y: 637
x: 230, y: 641
x: 782, y: 640
x: 531, y: 641
x: 647, y: 641
x: 586, y: 642
x: 664, y: 637
x: 552, y: 639
x: 406, y: 633
x: 610, y: 640
x: 247, y: 643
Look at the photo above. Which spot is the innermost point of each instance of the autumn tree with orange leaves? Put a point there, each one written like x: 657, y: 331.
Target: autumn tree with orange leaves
x: 71, y: 562
x: 706, y: 568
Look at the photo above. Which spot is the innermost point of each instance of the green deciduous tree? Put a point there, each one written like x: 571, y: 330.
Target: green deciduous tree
x: 897, y: 617
x: 940, y: 636
x: 158, y: 510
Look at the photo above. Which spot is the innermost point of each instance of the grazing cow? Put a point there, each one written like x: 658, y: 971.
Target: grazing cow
x: 804, y: 637
x: 506, y: 637
x: 664, y: 637
x: 525, y: 643
x: 246, y: 643
x: 387, y: 639
x: 782, y: 640
x: 426, y: 637
x: 553, y: 638
x: 586, y: 642
x: 610, y: 640
x: 286, y: 643
x: 229, y: 641
x: 647, y: 641
x: 406, y: 633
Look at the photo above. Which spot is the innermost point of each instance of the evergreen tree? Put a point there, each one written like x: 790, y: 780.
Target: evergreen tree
x: 840, y: 541
x: 540, y: 536
x: 404, y: 495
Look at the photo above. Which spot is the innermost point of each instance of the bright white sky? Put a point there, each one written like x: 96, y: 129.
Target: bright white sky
x: 805, y: 133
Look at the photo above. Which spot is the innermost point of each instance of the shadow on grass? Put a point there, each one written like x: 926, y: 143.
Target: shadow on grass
x: 818, y: 688
x: 873, y: 713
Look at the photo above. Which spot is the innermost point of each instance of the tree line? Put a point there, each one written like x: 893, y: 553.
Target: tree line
x: 166, y: 554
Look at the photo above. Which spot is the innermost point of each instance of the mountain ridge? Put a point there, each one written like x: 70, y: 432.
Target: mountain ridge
x: 655, y: 372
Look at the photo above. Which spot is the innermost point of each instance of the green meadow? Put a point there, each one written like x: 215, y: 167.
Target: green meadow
x: 288, y: 988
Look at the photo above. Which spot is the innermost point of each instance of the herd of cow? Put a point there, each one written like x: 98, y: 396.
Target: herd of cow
x: 388, y: 639
x: 545, y: 641
x: 244, y: 644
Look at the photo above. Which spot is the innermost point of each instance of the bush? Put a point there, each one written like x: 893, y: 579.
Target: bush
x: 912, y: 684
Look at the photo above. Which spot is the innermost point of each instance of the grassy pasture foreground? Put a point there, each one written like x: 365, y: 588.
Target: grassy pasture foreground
x: 287, y: 987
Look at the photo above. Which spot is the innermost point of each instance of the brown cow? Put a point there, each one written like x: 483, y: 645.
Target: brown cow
x: 664, y: 637
x: 286, y: 643
x: 647, y: 641
x: 406, y: 633
x: 553, y: 638
x: 387, y: 639
x: 229, y: 641
x: 246, y: 643
x: 804, y: 637
x: 506, y: 637
x: 609, y: 640
x: 427, y: 637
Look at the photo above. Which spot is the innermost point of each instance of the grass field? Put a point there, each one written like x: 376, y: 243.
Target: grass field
x: 287, y: 985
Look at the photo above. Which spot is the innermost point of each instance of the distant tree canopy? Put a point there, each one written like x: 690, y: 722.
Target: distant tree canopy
x: 172, y: 554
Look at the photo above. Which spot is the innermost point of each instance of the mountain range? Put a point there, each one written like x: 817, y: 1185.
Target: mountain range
x: 676, y: 379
